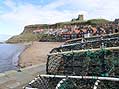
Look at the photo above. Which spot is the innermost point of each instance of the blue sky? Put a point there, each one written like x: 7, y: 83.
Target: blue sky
x: 15, y: 14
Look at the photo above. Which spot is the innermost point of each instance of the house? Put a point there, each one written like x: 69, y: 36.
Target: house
x: 94, y: 31
x: 75, y: 34
x: 116, y: 30
x: 110, y: 30
x: 99, y: 31
x: 116, y: 21
x: 70, y: 34
x: 65, y: 35
x: 39, y: 31
x: 81, y: 33
x: 89, y: 31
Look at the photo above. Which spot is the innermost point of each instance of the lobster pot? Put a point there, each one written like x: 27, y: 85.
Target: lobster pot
x: 97, y: 63
x: 43, y: 82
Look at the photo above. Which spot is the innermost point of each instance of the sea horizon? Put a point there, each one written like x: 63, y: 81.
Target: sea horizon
x: 4, y: 37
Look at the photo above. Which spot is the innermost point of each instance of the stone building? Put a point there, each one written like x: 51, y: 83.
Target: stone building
x: 80, y: 17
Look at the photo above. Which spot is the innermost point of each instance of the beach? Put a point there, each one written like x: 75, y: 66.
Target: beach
x: 36, y: 53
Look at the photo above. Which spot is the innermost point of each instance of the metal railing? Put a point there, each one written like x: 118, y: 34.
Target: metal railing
x: 72, y: 82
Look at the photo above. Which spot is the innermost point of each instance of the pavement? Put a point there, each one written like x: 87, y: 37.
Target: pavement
x: 18, y: 79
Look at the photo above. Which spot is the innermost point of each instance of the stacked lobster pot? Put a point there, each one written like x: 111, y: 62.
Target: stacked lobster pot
x: 87, y: 63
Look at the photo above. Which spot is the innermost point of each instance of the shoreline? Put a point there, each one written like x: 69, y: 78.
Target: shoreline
x: 27, y: 45
x: 36, y: 53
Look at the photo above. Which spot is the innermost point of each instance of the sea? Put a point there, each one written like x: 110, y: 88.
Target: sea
x: 9, y: 56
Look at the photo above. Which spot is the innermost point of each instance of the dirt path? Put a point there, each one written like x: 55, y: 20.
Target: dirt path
x: 37, y: 53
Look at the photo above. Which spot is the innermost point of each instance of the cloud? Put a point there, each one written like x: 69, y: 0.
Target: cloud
x: 28, y: 13
x: 97, y: 8
x: 25, y: 14
x: 54, y: 5
x: 10, y: 4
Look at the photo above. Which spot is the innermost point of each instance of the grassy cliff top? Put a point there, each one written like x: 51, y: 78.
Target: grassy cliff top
x: 91, y: 22
x: 27, y: 37
x: 98, y: 21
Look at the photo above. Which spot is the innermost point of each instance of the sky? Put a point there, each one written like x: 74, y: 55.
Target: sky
x: 15, y: 14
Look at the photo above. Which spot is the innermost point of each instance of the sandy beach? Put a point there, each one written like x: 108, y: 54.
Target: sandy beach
x: 36, y: 53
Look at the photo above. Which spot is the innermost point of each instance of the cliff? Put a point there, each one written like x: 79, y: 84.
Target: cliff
x: 31, y: 28
x: 27, y: 35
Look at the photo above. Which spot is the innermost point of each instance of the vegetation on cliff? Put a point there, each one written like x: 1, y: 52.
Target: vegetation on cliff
x: 27, y: 37
x: 97, y: 21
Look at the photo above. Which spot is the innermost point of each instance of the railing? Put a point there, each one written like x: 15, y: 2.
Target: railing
x: 73, y: 82
x: 92, y: 38
x: 97, y: 43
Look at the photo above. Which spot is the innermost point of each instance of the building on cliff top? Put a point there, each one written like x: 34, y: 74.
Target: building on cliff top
x: 80, y: 18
